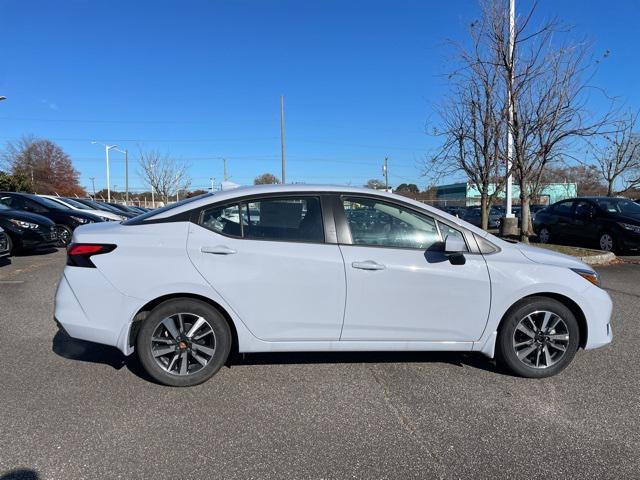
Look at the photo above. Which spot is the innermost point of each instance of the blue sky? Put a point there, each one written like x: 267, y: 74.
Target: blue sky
x: 201, y: 80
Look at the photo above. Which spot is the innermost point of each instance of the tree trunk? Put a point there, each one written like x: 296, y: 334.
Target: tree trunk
x: 610, y: 192
x: 525, y: 217
x: 484, y: 211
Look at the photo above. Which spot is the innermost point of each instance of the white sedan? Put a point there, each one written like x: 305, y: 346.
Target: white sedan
x: 278, y: 268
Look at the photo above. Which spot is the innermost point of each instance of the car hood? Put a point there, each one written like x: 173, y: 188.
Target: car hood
x: 27, y: 217
x: 631, y: 219
x: 549, y: 257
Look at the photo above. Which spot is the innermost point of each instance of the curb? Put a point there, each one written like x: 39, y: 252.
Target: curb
x: 601, y: 259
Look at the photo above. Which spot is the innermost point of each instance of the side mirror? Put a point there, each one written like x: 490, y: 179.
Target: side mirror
x: 454, y: 249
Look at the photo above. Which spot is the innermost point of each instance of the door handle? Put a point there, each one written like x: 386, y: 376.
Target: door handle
x: 368, y: 265
x: 218, y: 250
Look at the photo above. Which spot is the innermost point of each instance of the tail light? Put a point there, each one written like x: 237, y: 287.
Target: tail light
x: 79, y: 254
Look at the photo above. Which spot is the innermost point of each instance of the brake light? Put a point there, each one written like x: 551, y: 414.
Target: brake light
x: 79, y: 254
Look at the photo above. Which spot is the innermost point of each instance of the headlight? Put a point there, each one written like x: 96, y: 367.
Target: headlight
x: 23, y: 224
x: 631, y: 228
x: 80, y: 219
x: 588, y: 275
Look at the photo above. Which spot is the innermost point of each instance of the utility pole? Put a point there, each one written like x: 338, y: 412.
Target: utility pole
x: 282, y: 148
x: 385, y: 170
x: 93, y: 182
x: 509, y: 188
x: 509, y: 224
x: 126, y: 174
x: 212, y: 180
x: 106, y: 151
x: 226, y: 175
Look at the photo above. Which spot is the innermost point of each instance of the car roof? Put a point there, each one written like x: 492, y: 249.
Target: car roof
x: 244, y: 191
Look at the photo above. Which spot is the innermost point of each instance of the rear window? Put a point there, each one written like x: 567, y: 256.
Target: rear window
x: 141, y: 218
x: 293, y: 219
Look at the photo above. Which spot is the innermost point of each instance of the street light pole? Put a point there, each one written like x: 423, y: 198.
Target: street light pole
x: 106, y: 151
x: 282, y: 148
x: 126, y: 171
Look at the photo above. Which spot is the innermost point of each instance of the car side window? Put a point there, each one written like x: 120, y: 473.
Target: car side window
x: 584, y: 209
x: 377, y: 223
x: 223, y: 219
x: 34, y: 207
x: 296, y: 219
x: 562, y: 208
x: 10, y: 202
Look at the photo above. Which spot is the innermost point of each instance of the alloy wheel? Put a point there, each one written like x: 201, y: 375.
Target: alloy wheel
x: 540, y: 339
x: 64, y: 235
x: 544, y: 235
x: 183, y: 344
x: 606, y: 242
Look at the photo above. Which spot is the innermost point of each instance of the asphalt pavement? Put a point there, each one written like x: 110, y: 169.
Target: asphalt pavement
x: 71, y: 409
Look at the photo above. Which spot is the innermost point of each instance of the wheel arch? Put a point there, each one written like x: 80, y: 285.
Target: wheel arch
x: 142, y: 313
x: 566, y: 301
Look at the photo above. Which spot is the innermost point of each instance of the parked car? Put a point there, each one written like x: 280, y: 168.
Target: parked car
x: 26, y: 231
x: 102, y: 206
x: 4, y: 244
x: 123, y: 208
x: 607, y: 223
x: 184, y: 284
x: 473, y: 216
x: 65, y: 220
x: 70, y: 203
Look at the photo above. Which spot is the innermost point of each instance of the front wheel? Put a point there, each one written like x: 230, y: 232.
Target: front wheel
x: 539, y: 338
x: 64, y: 234
x: 183, y: 342
x: 607, y: 242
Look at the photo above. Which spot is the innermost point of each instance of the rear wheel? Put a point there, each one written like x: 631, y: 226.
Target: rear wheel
x: 183, y: 342
x: 539, y: 338
x: 64, y: 235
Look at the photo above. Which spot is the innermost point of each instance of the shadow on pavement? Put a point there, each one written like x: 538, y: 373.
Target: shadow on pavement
x: 83, y: 351
x: 5, y: 261
x: 20, y: 474
x: 73, y: 349
x: 459, y: 359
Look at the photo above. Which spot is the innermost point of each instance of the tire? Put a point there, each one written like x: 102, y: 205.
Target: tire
x: 64, y: 235
x: 170, y: 368
x: 544, y: 235
x: 607, y: 242
x: 10, y: 246
x: 538, y: 353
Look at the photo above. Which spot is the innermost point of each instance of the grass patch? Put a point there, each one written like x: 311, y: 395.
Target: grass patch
x: 567, y: 250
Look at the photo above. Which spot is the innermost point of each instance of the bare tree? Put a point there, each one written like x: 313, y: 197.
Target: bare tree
x: 471, y: 121
x: 547, y: 83
x: 266, y: 179
x: 617, y: 156
x: 162, y: 173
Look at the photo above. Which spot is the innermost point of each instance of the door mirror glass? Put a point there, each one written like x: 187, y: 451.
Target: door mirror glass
x: 454, y: 244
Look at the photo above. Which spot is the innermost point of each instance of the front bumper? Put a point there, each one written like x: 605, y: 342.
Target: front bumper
x: 597, y: 310
x: 40, y: 238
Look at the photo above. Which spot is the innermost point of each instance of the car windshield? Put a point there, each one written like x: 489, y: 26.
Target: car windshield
x: 48, y: 202
x: 77, y: 204
x: 144, y: 216
x: 619, y: 205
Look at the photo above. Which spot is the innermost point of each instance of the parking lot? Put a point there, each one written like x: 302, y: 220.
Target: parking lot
x: 76, y: 410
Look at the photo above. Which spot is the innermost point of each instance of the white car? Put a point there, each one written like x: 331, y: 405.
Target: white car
x: 73, y: 205
x: 322, y: 269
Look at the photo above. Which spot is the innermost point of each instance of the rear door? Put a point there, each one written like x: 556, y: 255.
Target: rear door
x: 400, y: 286
x: 584, y: 221
x: 269, y: 259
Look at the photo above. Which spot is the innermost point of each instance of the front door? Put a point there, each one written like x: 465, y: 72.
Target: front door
x: 268, y: 259
x: 400, y: 285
